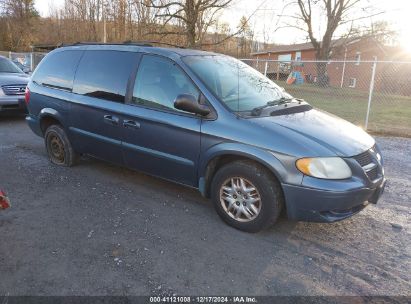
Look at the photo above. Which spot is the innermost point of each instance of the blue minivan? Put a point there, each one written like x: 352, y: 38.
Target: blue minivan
x: 207, y: 121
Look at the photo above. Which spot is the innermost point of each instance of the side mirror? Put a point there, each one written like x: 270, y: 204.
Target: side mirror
x: 26, y: 70
x: 188, y: 103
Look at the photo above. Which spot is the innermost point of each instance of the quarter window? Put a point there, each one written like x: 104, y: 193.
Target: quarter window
x: 57, y: 70
x: 159, y: 81
x: 104, y: 74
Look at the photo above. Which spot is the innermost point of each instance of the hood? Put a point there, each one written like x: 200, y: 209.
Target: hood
x: 322, y: 128
x: 13, y: 78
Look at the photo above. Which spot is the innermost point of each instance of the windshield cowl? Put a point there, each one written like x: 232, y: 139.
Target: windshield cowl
x: 275, y: 103
x: 291, y: 106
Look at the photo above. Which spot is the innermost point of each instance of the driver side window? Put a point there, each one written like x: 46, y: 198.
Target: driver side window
x: 159, y: 81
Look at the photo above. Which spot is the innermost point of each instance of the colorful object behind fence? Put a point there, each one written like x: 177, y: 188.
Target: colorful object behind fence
x: 291, y: 79
x: 295, y: 78
x: 4, y: 201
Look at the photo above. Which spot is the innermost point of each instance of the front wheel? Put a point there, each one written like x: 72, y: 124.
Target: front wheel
x: 58, y: 147
x: 246, y: 196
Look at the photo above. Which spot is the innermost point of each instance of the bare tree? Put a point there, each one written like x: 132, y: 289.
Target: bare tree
x: 195, y: 17
x: 337, y: 13
x: 246, y: 38
x: 336, y: 10
x: 16, y: 21
x: 380, y: 31
x: 192, y: 22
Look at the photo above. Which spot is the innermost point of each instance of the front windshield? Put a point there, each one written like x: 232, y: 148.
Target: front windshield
x: 236, y: 84
x: 7, y: 66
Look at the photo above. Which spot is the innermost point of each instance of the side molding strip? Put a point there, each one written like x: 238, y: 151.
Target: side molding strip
x: 155, y: 153
x: 96, y: 136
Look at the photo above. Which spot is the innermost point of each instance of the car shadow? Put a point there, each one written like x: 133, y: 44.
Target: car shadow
x: 7, y: 116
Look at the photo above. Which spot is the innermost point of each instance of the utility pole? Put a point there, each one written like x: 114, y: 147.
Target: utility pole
x: 374, y: 67
x: 104, y: 22
x: 343, y: 69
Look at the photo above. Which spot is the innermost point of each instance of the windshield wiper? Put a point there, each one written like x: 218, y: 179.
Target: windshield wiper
x: 258, y: 110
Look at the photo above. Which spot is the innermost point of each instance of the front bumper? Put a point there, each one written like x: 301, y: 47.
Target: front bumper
x: 13, y: 103
x: 319, y: 205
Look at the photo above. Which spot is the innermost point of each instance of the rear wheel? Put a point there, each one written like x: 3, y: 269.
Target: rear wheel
x: 58, y: 147
x: 246, y: 196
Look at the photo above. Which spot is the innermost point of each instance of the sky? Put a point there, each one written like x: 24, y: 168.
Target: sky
x: 268, y: 16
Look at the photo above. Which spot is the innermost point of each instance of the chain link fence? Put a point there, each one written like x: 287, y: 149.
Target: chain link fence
x: 26, y: 61
x: 375, y: 95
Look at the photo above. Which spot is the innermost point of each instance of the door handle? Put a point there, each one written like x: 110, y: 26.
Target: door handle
x: 131, y: 124
x: 112, y: 120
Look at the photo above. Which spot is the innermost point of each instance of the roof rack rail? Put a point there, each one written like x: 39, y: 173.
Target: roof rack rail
x: 103, y: 43
x: 153, y: 42
x: 128, y: 42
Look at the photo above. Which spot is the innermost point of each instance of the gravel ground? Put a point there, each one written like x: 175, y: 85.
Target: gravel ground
x: 98, y: 229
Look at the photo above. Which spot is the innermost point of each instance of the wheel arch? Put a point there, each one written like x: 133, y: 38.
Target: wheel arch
x: 48, y: 117
x: 230, y: 153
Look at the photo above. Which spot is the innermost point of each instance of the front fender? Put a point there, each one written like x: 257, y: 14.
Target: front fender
x: 281, y: 165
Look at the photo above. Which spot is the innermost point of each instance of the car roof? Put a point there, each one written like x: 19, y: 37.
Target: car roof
x: 169, y: 52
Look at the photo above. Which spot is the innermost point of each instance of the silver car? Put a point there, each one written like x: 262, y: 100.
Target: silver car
x: 13, y: 82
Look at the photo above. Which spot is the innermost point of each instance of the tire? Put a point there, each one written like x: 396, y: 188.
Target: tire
x: 58, y: 147
x: 251, y: 219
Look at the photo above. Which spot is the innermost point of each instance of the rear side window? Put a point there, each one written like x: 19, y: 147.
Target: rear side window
x: 57, y: 70
x: 104, y: 74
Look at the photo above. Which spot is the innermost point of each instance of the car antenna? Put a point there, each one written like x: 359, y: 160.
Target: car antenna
x: 238, y: 91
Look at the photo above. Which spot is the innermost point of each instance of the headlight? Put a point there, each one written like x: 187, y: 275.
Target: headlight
x: 324, y: 167
x: 1, y: 92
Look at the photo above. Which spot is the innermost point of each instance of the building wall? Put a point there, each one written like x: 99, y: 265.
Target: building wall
x: 356, y: 75
x: 360, y: 71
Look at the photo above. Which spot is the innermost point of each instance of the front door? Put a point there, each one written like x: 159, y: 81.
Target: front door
x: 158, y: 139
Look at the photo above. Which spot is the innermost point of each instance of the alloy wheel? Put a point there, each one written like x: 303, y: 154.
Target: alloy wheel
x: 240, y: 199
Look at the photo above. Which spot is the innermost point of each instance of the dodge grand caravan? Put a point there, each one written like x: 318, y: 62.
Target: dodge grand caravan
x: 207, y: 121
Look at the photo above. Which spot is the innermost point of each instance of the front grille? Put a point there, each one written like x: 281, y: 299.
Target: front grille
x: 364, y: 158
x: 369, y: 164
x: 15, y: 89
x: 373, y: 174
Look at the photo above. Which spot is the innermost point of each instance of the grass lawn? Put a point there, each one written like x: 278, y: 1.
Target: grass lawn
x: 390, y: 114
